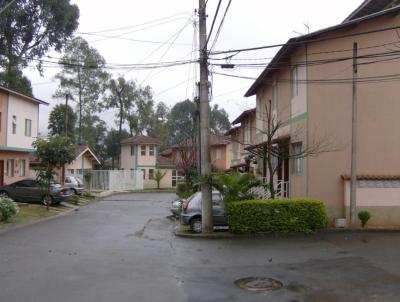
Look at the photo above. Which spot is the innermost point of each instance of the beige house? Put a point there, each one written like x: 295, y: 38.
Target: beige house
x: 309, y: 85
x: 242, y: 136
x: 84, y: 162
x: 184, y: 154
x: 142, y: 153
x: 19, y: 117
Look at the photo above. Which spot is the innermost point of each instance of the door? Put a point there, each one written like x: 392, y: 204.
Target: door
x: 219, y: 216
x: 1, y: 172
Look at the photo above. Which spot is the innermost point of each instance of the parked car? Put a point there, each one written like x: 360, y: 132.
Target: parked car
x: 75, y: 184
x: 191, y: 214
x: 28, y: 190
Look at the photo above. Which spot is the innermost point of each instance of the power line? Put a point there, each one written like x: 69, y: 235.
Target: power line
x: 305, y: 41
x: 137, y: 25
x: 172, y: 87
x: 220, y: 27
x: 120, y: 36
x: 213, y: 22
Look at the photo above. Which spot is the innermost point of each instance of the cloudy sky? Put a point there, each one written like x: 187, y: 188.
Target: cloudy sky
x: 248, y: 24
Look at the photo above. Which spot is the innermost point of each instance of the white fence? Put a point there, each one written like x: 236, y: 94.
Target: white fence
x: 281, y: 191
x: 117, y: 180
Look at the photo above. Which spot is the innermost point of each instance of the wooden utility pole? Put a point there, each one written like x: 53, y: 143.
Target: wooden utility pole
x: 66, y: 133
x: 206, y: 211
x: 66, y: 115
x: 353, y: 185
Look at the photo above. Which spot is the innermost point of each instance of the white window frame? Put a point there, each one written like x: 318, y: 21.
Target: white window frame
x: 10, y: 167
x: 143, y: 150
x: 151, y: 150
x: 151, y: 173
x: 14, y: 124
x: 298, y: 163
x: 144, y: 173
x: 28, y: 127
x: 133, y: 150
x: 21, y: 167
x: 294, y: 77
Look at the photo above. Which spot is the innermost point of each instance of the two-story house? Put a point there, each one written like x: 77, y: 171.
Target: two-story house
x: 184, y: 153
x: 142, y: 153
x: 309, y: 84
x: 19, y: 117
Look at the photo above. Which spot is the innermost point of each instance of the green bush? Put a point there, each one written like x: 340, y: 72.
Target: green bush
x: 8, y: 208
x: 364, y: 216
x: 182, y: 190
x: 279, y: 216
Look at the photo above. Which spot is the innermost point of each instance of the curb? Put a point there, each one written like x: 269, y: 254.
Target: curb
x: 30, y: 223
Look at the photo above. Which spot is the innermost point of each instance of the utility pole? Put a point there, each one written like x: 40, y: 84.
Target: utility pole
x: 206, y: 211
x: 353, y: 184
x: 66, y: 115
x: 66, y: 133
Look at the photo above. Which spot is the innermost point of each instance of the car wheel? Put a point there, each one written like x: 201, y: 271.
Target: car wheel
x: 4, y: 194
x: 47, y: 200
x: 196, y: 225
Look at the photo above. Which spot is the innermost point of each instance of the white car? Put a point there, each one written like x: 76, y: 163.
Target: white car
x: 75, y: 184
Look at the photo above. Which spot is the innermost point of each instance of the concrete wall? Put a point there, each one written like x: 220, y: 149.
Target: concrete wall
x: 166, y: 182
x: 382, y: 202
x: 127, y: 160
x: 81, y: 162
x: 22, y: 109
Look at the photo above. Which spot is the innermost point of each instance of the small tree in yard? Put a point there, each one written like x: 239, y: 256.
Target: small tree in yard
x: 273, y: 152
x: 52, y: 154
x: 158, y: 176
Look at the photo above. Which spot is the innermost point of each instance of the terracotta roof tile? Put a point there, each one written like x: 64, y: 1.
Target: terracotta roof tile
x: 141, y: 140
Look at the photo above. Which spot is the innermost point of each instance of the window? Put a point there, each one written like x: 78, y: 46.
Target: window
x: 14, y: 124
x: 70, y: 171
x: 68, y: 180
x: 21, y: 167
x: 10, y: 167
x: 143, y: 150
x: 151, y: 173
x: 28, y: 127
x: 218, y: 153
x: 151, y: 150
x: 132, y: 150
x: 144, y: 173
x: 295, y: 81
x: 274, y: 96
x: 297, y: 149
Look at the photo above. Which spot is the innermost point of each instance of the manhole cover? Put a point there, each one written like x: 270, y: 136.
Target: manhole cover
x: 258, y: 284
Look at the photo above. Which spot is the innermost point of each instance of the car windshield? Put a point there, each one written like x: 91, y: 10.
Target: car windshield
x: 194, y: 198
x: 78, y: 180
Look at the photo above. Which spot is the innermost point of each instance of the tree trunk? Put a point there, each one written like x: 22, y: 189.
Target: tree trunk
x: 80, y: 107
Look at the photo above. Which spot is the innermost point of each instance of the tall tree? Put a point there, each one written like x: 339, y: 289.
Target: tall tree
x: 181, y: 122
x: 219, y: 120
x: 57, y: 121
x: 82, y: 76
x: 140, y: 119
x: 159, y: 123
x: 28, y: 29
x: 122, y: 96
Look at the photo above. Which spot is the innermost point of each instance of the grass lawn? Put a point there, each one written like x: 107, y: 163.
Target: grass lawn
x: 31, y: 212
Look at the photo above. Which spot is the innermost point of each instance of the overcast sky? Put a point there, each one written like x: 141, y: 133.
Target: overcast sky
x: 248, y: 24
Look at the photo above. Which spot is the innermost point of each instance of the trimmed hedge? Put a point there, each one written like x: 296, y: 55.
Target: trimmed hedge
x: 279, y: 216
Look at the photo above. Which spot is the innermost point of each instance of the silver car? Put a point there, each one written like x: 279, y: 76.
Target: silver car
x: 75, y: 184
x: 192, y: 211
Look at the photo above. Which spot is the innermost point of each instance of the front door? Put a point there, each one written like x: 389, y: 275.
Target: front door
x: 1, y: 172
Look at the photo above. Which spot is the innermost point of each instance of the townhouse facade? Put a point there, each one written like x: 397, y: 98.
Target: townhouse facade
x: 19, y: 122
x: 309, y: 87
x: 143, y: 153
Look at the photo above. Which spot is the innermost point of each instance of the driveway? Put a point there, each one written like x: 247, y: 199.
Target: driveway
x: 123, y: 249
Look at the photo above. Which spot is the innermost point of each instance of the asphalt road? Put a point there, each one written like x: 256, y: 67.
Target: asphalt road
x: 123, y: 249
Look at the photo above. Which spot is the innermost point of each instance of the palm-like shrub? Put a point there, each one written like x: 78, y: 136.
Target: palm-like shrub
x: 235, y: 186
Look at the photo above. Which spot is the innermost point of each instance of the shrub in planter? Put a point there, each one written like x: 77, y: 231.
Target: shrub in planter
x: 279, y: 216
x: 8, y: 208
x: 364, y: 216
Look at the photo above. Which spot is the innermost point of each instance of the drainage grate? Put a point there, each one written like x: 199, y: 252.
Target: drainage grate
x: 258, y: 284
